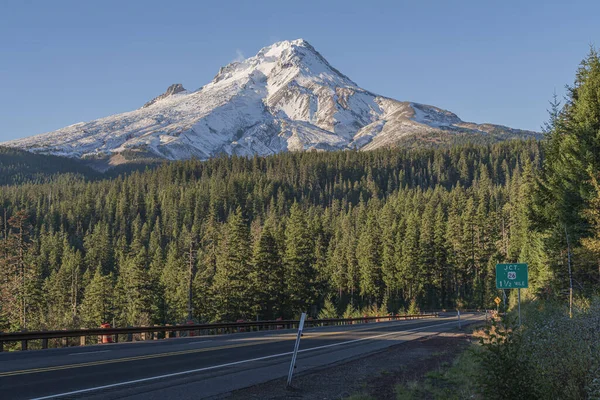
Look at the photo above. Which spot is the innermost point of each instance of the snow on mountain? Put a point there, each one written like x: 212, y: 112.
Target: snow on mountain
x: 286, y: 98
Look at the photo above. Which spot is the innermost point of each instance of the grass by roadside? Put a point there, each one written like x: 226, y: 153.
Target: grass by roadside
x: 549, y: 356
x: 450, y: 381
x: 445, y: 374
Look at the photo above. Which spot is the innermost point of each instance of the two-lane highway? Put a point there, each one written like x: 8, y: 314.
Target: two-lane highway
x: 196, y: 367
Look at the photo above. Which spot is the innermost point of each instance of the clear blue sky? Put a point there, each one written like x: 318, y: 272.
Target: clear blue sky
x: 65, y: 62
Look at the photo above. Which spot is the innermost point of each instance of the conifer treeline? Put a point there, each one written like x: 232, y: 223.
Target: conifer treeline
x: 268, y: 237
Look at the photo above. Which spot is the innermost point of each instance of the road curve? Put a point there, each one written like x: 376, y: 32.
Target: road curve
x: 197, y: 367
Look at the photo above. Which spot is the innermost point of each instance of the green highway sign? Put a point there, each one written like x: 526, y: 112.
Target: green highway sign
x: 512, y: 276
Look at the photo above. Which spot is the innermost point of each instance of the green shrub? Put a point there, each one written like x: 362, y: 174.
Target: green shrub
x: 413, y: 308
x: 351, y: 312
x: 504, y: 371
x: 551, y: 356
x: 328, y: 311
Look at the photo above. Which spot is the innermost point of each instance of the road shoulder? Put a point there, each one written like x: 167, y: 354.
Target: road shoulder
x: 375, y: 375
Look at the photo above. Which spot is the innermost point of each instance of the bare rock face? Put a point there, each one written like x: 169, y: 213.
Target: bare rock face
x: 285, y: 98
x: 171, y: 90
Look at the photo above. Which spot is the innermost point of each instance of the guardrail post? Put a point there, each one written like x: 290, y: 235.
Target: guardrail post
x: 44, y: 344
x: 24, y: 342
x: 82, y: 340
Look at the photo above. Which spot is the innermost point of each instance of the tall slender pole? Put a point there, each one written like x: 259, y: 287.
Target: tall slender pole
x: 191, y: 271
x: 570, y: 275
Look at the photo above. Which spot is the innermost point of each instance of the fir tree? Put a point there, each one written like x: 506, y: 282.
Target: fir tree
x: 268, y: 277
x: 98, y: 305
x: 232, y: 286
x: 298, y: 260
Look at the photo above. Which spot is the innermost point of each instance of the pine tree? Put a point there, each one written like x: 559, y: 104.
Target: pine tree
x: 174, y: 283
x: 298, y: 260
x: 573, y: 155
x: 63, y: 290
x: 369, y: 261
x: 389, y: 268
x: 592, y: 214
x: 426, y: 256
x: 98, y: 305
x: 409, y: 267
x: 136, y: 288
x: 328, y: 311
x: 232, y: 287
x: 268, y: 277
x: 440, y: 254
x: 98, y: 249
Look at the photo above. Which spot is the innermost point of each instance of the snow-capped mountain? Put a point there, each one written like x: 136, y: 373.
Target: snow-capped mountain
x: 287, y: 97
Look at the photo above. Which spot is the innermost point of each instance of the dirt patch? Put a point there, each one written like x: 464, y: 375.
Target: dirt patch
x: 375, y: 375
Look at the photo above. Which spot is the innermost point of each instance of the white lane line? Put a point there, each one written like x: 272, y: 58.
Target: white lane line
x: 202, y: 341
x: 89, y: 352
x: 235, y: 363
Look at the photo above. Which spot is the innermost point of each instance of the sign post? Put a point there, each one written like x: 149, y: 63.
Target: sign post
x: 296, y: 346
x: 513, y: 276
x: 497, y: 300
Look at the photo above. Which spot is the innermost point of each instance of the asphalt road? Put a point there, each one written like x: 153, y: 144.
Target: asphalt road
x: 199, y: 367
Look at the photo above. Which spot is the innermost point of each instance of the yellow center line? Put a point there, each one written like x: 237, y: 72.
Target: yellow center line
x: 174, y: 353
x: 119, y: 360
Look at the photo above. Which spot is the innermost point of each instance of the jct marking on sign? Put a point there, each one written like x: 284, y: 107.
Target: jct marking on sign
x: 512, y: 276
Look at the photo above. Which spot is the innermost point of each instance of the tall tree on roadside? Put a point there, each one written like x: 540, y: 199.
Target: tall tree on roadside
x: 298, y: 260
x: 232, y: 287
x: 572, y: 155
x: 136, y: 288
x: 268, y: 277
x: 592, y: 243
x: 98, y: 304
x: 368, y: 254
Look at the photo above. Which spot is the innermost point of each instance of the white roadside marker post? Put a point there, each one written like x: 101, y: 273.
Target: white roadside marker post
x: 296, y: 347
x: 459, y: 327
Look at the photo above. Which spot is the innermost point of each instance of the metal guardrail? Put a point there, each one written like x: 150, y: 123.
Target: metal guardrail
x: 170, y: 331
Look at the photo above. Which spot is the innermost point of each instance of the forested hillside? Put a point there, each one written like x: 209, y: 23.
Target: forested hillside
x: 18, y: 166
x: 268, y: 237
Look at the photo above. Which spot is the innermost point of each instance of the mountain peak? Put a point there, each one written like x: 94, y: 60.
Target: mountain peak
x: 171, y: 90
x: 285, y: 98
x: 283, y: 62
